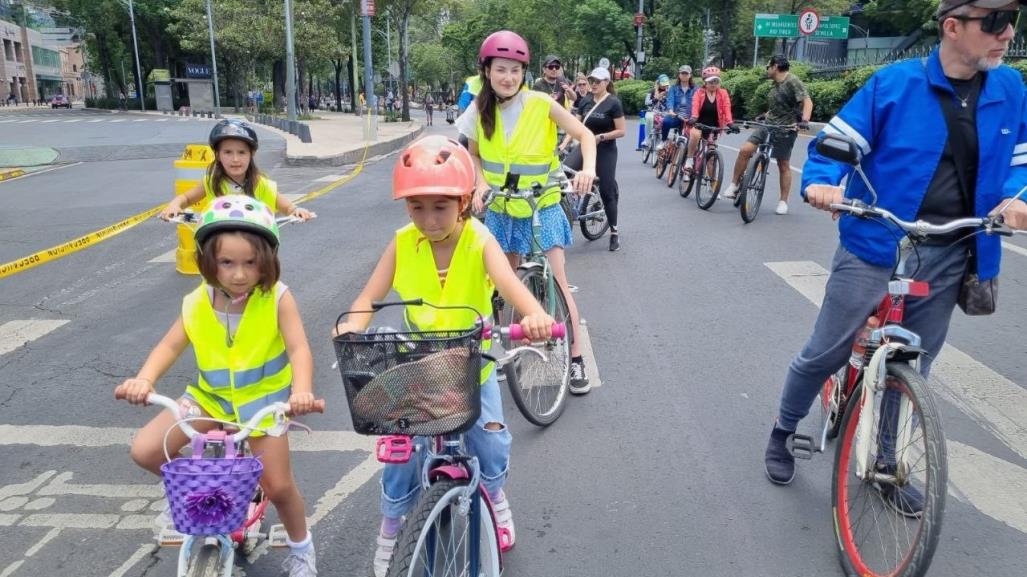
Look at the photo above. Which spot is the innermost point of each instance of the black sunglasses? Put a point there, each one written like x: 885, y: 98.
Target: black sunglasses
x: 554, y: 67
x: 995, y: 22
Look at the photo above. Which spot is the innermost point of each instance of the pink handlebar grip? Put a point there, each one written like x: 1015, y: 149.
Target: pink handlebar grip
x: 516, y: 333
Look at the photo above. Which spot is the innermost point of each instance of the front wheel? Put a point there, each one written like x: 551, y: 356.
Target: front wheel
x: 647, y: 148
x: 661, y: 159
x: 593, y: 222
x: 750, y: 193
x: 206, y: 563
x: 438, y: 539
x: 710, y: 178
x: 676, y: 164
x: 539, y: 387
x: 879, y: 532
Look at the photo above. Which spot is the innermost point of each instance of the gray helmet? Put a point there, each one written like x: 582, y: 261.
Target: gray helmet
x: 233, y: 129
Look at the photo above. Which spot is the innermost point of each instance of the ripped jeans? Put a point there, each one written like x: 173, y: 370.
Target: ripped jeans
x: 401, y: 483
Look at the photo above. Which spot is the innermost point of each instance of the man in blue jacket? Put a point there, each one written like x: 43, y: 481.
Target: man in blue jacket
x: 924, y: 164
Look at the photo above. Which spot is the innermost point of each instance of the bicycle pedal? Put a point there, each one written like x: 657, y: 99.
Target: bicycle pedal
x: 277, y: 537
x: 801, y: 446
x: 169, y: 537
x: 394, y: 449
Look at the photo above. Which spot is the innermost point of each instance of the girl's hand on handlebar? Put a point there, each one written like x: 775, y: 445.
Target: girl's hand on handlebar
x: 1014, y: 216
x: 822, y: 196
x: 537, y: 326
x: 303, y: 403
x: 303, y: 214
x: 477, y: 200
x: 345, y: 328
x: 583, y: 181
x: 134, y: 390
x: 170, y: 211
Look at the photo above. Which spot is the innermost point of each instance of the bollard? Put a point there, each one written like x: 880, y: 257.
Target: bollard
x: 294, y: 127
x: 190, y: 170
x: 304, y: 133
x: 641, y: 129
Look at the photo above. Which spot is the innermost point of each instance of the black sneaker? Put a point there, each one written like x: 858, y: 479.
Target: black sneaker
x: 614, y: 242
x: 906, y: 500
x: 579, y: 384
x: 778, y: 460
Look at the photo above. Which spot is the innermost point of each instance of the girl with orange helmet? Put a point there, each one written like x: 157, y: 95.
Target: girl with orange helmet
x: 448, y: 259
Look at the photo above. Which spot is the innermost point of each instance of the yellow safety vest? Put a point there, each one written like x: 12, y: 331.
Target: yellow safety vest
x: 266, y: 191
x: 467, y: 281
x: 530, y: 152
x: 473, y: 84
x: 236, y: 381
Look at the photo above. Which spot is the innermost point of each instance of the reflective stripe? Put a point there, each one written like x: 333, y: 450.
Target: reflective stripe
x: 254, y: 376
x: 843, y: 127
x: 1020, y: 148
x: 530, y: 169
x: 218, y: 379
x: 1018, y: 160
x: 226, y: 406
x: 497, y: 167
x: 249, y: 409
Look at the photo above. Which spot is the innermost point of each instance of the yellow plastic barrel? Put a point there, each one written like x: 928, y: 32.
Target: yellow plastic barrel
x: 190, y: 171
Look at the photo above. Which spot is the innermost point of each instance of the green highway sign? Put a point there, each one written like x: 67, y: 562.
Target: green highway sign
x: 787, y: 26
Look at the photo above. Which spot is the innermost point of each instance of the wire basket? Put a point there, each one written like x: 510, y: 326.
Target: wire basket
x: 210, y: 496
x: 411, y: 383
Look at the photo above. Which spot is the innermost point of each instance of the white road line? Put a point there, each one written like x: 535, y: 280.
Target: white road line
x: 119, y: 120
x: 81, y: 436
x: 12, y: 568
x: 7, y: 520
x: 14, y: 334
x: 97, y: 120
x: 46, y: 539
x: 292, y: 196
x: 162, y: 120
x: 1014, y: 248
x: 183, y: 119
x: 51, y: 169
x: 71, y: 520
x: 329, y: 178
x: 60, y: 486
x: 169, y: 256
x: 729, y: 147
x: 141, y: 120
x: 26, y: 121
x: 141, y: 552
x: 25, y: 488
x: 591, y: 367
x: 994, y: 486
x: 8, y: 120
x: 994, y: 402
x: 49, y: 121
x: 73, y: 120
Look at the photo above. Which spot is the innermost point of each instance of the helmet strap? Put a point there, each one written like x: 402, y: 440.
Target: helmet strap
x: 229, y: 301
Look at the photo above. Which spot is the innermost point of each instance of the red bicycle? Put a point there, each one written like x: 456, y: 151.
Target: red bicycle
x: 708, y: 164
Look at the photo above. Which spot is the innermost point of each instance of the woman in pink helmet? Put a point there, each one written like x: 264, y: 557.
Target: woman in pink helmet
x: 711, y: 106
x: 513, y: 130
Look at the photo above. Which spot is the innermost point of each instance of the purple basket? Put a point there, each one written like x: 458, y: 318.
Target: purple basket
x: 210, y: 496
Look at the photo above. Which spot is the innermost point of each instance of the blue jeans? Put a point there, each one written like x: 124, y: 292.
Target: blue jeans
x: 401, y: 483
x: 669, y: 123
x: 853, y: 292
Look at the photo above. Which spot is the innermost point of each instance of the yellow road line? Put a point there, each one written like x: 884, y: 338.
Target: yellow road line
x: 9, y: 174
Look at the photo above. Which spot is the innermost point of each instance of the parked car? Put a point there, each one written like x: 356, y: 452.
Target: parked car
x: 60, y: 101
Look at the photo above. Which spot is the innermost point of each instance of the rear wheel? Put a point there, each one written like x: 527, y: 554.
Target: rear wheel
x: 539, y: 387
x: 709, y: 180
x: 647, y: 148
x: 595, y: 224
x: 675, y: 165
x: 685, y: 185
x: 750, y: 193
x: 661, y: 159
x: 873, y: 538
x: 439, y: 540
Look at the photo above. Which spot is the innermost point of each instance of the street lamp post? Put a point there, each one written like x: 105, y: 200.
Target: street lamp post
x: 290, y: 67
x: 135, y: 45
x: 213, y: 62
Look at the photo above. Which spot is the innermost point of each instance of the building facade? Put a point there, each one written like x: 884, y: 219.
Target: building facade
x: 37, y: 64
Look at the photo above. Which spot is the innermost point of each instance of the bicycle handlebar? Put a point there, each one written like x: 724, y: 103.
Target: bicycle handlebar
x: 516, y: 332
x: 794, y: 127
x: 922, y: 228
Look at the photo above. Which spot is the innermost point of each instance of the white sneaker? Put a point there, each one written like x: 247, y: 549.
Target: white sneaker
x: 689, y: 163
x: 782, y: 207
x: 301, y: 565
x: 731, y: 191
x: 383, y: 555
x: 504, y: 524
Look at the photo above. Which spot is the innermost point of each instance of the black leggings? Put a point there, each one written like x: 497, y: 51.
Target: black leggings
x: 606, y: 170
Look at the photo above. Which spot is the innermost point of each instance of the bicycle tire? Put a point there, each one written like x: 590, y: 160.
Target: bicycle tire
x: 914, y: 558
x: 595, y: 227
x: 685, y: 185
x: 712, y: 163
x: 750, y: 194
x: 434, y: 516
x: 568, y: 208
x: 540, y: 388
x: 676, y: 164
x: 206, y: 562
x: 833, y: 401
x: 647, y: 149
x: 661, y: 161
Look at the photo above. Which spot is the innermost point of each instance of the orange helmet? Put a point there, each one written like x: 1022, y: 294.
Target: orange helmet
x: 433, y: 165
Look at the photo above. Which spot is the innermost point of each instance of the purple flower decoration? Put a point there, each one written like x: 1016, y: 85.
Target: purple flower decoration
x: 209, y: 507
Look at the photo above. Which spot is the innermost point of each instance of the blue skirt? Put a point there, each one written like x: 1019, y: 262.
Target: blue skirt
x: 514, y: 234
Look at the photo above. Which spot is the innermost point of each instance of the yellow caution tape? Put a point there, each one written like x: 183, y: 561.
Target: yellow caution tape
x: 9, y: 174
x: 73, y: 246
x: 332, y: 186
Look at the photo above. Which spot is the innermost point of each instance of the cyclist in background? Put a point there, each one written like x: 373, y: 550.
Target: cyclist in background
x: 656, y: 101
x: 952, y: 172
x: 711, y: 106
x: 788, y: 103
x: 679, y: 102
x: 509, y: 126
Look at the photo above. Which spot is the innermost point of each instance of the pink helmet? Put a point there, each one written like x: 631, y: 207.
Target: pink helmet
x: 504, y: 44
x: 710, y: 72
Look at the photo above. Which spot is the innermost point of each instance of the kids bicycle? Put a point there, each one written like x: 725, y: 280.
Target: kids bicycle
x: 891, y: 443
x: 419, y: 390
x: 215, y: 501
x: 538, y: 385
x: 586, y: 210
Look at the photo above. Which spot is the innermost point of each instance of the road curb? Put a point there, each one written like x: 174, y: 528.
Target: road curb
x: 353, y: 156
x: 11, y: 173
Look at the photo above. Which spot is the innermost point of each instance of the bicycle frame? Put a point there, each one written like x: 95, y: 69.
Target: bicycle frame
x: 704, y: 146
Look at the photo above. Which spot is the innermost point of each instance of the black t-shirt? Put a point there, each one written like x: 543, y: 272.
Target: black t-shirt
x: 708, y: 112
x: 601, y: 121
x: 951, y: 194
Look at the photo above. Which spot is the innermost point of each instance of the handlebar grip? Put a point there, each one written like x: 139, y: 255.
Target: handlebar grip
x: 379, y: 305
x: 319, y: 407
x: 516, y: 332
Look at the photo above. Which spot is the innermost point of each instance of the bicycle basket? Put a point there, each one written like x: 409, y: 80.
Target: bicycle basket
x: 210, y: 496
x: 411, y: 383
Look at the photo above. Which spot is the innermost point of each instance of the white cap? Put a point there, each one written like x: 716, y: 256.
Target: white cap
x: 600, y: 74
x: 711, y: 79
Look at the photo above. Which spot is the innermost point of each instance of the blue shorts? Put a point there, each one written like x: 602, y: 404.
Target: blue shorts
x: 514, y: 234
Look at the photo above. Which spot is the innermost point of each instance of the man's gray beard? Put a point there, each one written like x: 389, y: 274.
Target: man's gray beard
x: 986, y: 64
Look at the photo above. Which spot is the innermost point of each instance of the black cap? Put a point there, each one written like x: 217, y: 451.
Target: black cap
x: 779, y: 60
x: 551, y: 59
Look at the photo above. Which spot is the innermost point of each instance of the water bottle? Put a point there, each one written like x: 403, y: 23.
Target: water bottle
x: 859, y: 347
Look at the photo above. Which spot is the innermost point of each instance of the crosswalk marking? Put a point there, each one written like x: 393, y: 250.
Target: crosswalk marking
x: 51, y: 120
x: 73, y: 120
x: 141, y: 120
x: 994, y: 402
x: 1014, y: 248
x: 162, y: 119
x: 97, y: 120
x: 14, y: 334
x: 166, y: 257
x: 119, y: 120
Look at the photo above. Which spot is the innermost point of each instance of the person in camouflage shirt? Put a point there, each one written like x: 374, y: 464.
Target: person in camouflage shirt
x: 788, y: 103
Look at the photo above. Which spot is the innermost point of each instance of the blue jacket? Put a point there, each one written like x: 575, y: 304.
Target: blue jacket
x: 896, y: 119
x: 679, y: 100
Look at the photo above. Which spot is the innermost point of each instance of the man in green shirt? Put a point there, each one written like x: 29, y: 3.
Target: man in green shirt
x: 788, y: 103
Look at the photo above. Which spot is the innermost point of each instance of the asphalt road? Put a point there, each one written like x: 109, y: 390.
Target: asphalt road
x: 657, y: 472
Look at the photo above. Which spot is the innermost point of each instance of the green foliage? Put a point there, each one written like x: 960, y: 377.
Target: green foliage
x: 431, y: 63
x: 741, y: 84
x: 855, y: 79
x: 1020, y: 66
x: 632, y: 94
x: 757, y: 103
x: 828, y: 97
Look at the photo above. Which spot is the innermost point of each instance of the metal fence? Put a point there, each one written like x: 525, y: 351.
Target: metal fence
x: 857, y: 58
